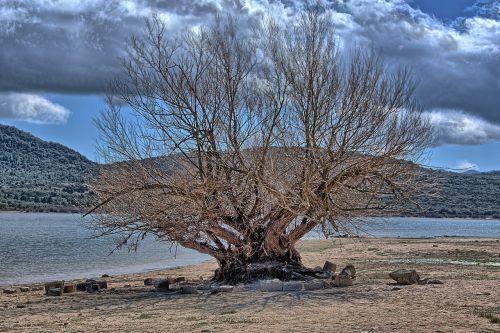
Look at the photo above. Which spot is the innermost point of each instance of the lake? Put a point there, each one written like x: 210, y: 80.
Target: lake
x: 37, y: 247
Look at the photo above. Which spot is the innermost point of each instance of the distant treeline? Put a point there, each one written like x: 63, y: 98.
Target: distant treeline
x: 43, y: 176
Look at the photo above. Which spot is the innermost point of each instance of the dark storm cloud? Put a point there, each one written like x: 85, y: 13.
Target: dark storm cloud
x: 73, y: 46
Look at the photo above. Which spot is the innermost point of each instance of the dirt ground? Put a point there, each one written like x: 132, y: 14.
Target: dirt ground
x: 468, y: 301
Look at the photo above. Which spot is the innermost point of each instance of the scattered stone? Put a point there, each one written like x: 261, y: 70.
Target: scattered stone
x: 225, y: 288
x: 329, y: 267
x: 342, y: 280
x: 162, y: 284
x: 187, y: 289
x: 405, y: 276
x: 314, y: 285
x: 9, y: 291
x: 69, y: 288
x: 105, y: 276
x: 435, y: 245
x: 54, y: 285
x: 293, y: 286
x: 271, y: 285
x: 83, y: 286
x: 349, y: 270
x: 54, y: 292
x: 20, y: 306
x: 482, y: 294
x: 148, y: 281
x: 24, y: 289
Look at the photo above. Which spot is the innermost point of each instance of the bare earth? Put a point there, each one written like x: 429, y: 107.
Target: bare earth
x: 470, y: 293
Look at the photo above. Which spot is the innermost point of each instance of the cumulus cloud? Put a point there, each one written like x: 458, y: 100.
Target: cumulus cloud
x: 31, y: 108
x: 457, y: 127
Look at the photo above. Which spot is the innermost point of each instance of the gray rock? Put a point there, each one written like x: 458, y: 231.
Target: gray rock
x: 92, y: 288
x: 54, y: 285
x: 271, y: 285
x: 162, y: 284
x: 405, y: 276
x: 293, y: 286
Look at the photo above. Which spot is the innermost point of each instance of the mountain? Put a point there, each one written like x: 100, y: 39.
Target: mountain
x: 36, y: 175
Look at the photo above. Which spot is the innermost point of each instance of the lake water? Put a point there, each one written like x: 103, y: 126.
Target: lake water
x: 37, y: 247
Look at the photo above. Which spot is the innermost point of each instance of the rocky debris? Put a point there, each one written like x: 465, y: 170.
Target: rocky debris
x: 20, y: 306
x: 24, y: 289
x: 148, y: 281
x: 271, y: 285
x: 54, y: 292
x: 92, y: 288
x: 10, y: 291
x: 69, y: 288
x: 314, y: 284
x: 59, y: 285
x: 342, y: 280
x: 189, y: 289
x: 405, y: 276
x: 430, y: 281
x: 293, y: 285
x: 349, y: 270
x: 162, y: 284
x: 86, y: 286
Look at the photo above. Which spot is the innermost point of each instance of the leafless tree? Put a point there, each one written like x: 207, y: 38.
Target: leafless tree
x: 237, y: 142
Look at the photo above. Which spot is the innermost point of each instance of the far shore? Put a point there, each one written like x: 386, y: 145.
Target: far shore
x: 468, y: 301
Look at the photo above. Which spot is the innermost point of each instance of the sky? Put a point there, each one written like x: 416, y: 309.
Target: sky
x: 57, y: 58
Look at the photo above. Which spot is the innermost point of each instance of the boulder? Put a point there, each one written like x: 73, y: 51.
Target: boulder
x: 148, y: 281
x: 24, y: 289
x: 271, y: 285
x: 69, y: 288
x: 9, y: 291
x: 293, y: 286
x: 54, y: 292
x: 329, y: 267
x: 162, y: 284
x: 405, y: 276
x: 54, y: 285
x: 342, y: 280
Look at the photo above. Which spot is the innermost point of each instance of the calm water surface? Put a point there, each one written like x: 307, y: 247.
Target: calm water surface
x: 36, y: 247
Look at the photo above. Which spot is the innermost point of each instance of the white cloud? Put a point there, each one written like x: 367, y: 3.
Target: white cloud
x: 457, y: 127
x: 466, y: 165
x: 32, y: 108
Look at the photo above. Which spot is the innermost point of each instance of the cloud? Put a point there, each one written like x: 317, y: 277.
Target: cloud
x: 74, y: 46
x: 458, y: 127
x: 466, y: 165
x: 31, y: 108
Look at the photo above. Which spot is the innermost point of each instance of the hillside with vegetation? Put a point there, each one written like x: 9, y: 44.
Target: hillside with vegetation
x: 36, y: 175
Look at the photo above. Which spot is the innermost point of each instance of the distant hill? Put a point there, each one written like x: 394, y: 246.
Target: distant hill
x: 36, y: 175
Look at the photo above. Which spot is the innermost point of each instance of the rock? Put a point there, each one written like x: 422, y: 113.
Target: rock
x: 69, y: 288
x: 20, y: 306
x: 293, y: 286
x: 54, y: 285
x: 54, y: 292
x: 271, y: 285
x: 314, y: 285
x: 405, y: 276
x: 349, y: 270
x: 83, y: 286
x: 92, y: 288
x: 148, y: 281
x: 127, y: 286
x: 329, y: 267
x: 24, y: 289
x: 430, y: 281
x: 162, y: 284
x: 342, y: 280
x: 105, y: 276
x: 36, y: 288
x: 189, y: 289
x: 318, y: 269
x: 9, y: 291
x: 225, y: 288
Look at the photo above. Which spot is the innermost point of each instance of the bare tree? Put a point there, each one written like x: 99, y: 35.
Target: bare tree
x: 237, y: 142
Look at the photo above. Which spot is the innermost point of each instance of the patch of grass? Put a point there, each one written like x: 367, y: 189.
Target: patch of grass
x: 315, y: 247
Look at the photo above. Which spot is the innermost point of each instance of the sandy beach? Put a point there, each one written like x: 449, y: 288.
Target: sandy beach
x: 468, y: 301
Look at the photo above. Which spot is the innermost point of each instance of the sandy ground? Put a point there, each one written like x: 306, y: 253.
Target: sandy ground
x: 468, y: 267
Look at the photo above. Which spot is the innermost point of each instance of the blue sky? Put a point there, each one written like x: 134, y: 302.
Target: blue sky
x: 51, y: 83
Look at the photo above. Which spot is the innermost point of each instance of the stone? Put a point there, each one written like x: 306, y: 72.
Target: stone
x: 405, y: 276
x: 430, y: 281
x: 24, y: 289
x: 69, y: 288
x: 36, y: 288
x: 187, y: 289
x: 148, y: 281
x: 225, y: 288
x: 271, y: 285
x: 20, y: 306
x: 54, y: 292
x: 162, y: 284
x: 105, y: 276
x: 54, y: 285
x: 342, y: 280
x: 314, y: 285
x: 92, y: 288
x: 349, y: 270
x: 329, y: 267
x: 293, y: 286
x: 9, y: 291
x: 83, y: 286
